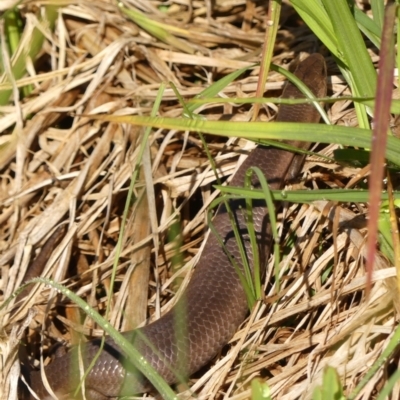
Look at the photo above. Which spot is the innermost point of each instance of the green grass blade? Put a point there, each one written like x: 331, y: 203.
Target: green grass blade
x: 315, y: 16
x: 140, y: 363
x: 305, y: 196
x: 378, y: 12
x: 274, y: 11
x: 267, y: 196
x: 214, y: 89
x: 346, y: 136
x: 18, y: 67
x: 390, y: 348
x: 389, y: 386
x: 352, y: 47
x: 157, y: 29
x: 368, y: 27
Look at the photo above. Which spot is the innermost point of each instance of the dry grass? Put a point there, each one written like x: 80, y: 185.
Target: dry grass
x: 60, y: 168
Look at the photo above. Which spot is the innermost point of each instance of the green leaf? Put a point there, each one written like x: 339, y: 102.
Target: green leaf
x: 260, y: 390
x: 331, y: 388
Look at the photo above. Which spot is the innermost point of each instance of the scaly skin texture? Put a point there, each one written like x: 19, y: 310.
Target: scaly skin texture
x: 214, y: 303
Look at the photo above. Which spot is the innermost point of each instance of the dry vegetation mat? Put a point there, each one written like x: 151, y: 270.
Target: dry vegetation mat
x: 66, y: 176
